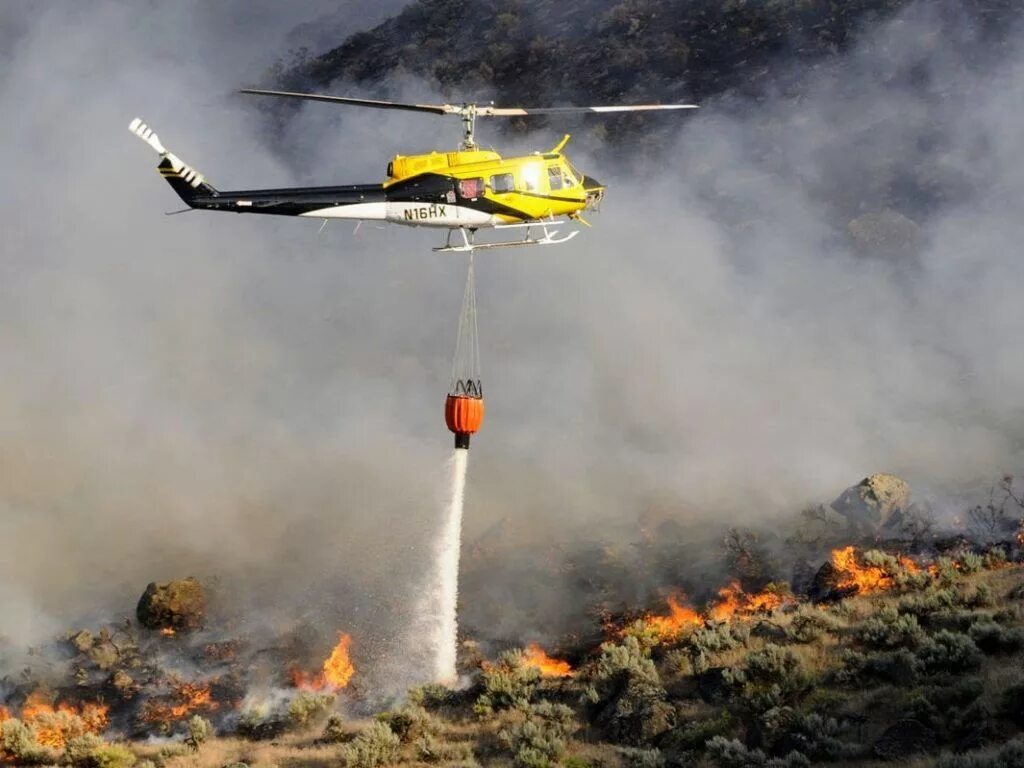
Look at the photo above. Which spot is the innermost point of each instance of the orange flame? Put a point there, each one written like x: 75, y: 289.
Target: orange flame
x: 733, y: 600
x: 186, y: 699
x: 336, y: 672
x: 865, y: 578
x: 680, y: 618
x: 168, y: 632
x: 54, y: 725
x: 534, y: 656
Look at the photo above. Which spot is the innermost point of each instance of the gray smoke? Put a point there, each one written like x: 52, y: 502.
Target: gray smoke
x: 207, y: 394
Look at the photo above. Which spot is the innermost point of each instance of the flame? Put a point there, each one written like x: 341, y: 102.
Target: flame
x: 732, y: 600
x: 184, y: 700
x: 680, y: 618
x: 5, y: 714
x: 865, y: 578
x: 534, y: 656
x: 168, y: 632
x: 336, y: 672
x: 54, y: 725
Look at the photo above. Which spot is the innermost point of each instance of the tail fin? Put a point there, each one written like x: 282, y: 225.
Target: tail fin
x: 185, y: 180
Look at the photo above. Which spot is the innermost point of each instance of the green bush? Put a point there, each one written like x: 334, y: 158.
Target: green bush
x: 506, y: 684
x: 538, y: 740
x: 995, y: 558
x: 409, y: 723
x: 20, y: 743
x: 899, y: 667
x: 432, y: 696
x: 199, y: 730
x: 696, y: 734
x: 946, y: 572
x: 771, y: 677
x: 890, y: 629
x: 808, y: 625
x: 930, y: 602
x: 78, y: 751
x: 309, y: 709
x: 970, y: 563
x: 1012, y: 703
x: 633, y: 757
x: 705, y: 642
x: 994, y: 638
x: 334, y: 730
x: 626, y: 693
x: 812, y: 735
x: 431, y: 749
x: 375, y: 745
x: 1009, y: 755
x: 949, y: 653
x: 732, y: 753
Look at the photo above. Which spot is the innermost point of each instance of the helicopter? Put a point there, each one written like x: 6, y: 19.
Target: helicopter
x: 462, y: 191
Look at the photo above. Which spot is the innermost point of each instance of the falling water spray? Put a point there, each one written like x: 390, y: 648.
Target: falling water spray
x: 448, y: 572
x: 464, y: 412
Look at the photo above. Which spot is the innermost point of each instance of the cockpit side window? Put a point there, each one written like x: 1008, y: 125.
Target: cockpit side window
x: 555, y: 177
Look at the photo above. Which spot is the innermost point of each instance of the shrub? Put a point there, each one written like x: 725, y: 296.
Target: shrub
x: 890, y: 629
x: 199, y: 730
x: 982, y: 597
x: 900, y: 667
x: 628, y: 695
x: 993, y: 638
x: 1012, y: 703
x: 171, y: 751
x: 432, y: 696
x: 308, y: 709
x: 375, y: 745
x: 808, y: 625
x: 507, y: 683
x: 334, y: 730
x: 695, y: 735
x: 812, y: 735
x: 538, y: 740
x: 641, y: 758
x: 78, y: 751
x: 732, y: 753
x: 430, y: 749
x: 970, y: 563
x: 946, y: 572
x: 409, y: 723
x: 771, y: 677
x: 950, y: 653
x: 20, y: 743
x: 994, y: 558
x: 708, y: 641
x: 930, y: 602
x: 1009, y: 755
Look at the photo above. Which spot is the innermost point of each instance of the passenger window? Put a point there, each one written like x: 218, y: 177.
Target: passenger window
x: 471, y: 188
x: 503, y: 182
x: 554, y: 177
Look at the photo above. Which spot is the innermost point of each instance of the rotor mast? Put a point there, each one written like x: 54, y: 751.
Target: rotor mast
x: 467, y: 112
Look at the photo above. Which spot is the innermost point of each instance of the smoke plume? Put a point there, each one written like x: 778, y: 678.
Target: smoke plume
x: 807, y: 291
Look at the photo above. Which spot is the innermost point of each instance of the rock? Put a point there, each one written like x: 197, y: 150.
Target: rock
x: 903, y: 739
x: 123, y: 683
x: 104, y: 655
x: 874, y: 503
x: 83, y: 641
x: 177, y: 605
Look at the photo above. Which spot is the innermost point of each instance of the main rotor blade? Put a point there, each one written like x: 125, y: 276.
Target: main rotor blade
x: 436, y: 109
x: 520, y: 111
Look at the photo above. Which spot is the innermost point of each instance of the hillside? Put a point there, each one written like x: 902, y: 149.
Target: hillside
x: 535, y: 52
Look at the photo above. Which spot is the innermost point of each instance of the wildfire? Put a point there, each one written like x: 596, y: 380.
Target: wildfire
x: 680, y: 618
x: 54, y: 725
x: 732, y: 600
x: 534, y: 656
x: 186, y: 699
x: 168, y: 632
x: 865, y: 578
x: 336, y: 672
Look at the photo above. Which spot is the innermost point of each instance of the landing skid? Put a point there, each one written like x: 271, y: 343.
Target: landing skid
x: 550, y: 237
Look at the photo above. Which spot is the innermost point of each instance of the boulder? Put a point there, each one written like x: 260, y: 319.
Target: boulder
x: 903, y: 739
x: 876, y: 502
x: 178, y: 605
